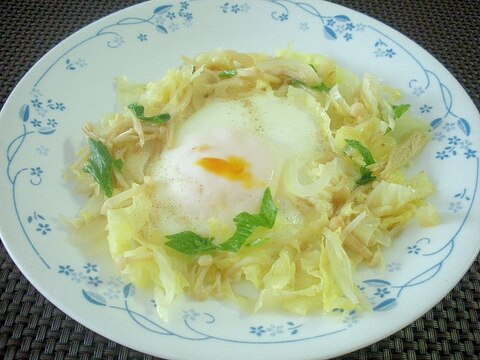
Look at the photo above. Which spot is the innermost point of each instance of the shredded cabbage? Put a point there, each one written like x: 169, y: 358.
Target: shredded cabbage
x: 327, y: 223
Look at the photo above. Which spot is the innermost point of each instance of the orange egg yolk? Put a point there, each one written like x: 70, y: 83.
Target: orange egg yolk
x: 233, y: 168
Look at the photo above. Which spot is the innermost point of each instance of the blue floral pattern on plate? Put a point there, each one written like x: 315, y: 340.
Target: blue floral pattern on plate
x: 41, y: 117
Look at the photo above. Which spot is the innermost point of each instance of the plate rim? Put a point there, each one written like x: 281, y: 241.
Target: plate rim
x: 44, y: 58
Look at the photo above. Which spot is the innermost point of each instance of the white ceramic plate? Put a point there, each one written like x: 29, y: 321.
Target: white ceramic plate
x: 41, y: 129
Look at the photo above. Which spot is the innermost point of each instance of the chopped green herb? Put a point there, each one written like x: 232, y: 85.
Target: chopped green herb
x: 297, y: 83
x: 366, y: 154
x: 366, y: 174
x: 101, y: 166
x: 321, y: 88
x: 247, y: 223
x: 399, y: 110
x: 139, y: 112
x: 225, y: 74
x: 188, y: 242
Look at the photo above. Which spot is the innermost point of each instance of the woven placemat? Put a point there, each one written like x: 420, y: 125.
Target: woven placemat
x: 32, y: 328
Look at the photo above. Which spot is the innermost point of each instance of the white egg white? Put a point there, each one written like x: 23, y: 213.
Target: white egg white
x: 262, y: 130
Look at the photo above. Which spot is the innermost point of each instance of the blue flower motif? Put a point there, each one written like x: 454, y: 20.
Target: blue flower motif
x: 95, y: 281
x: 304, y: 26
x: 347, y: 36
x: 118, y: 41
x: 439, y: 136
x: 78, y: 277
x: 454, y: 140
x: 275, y: 330
x: 418, y: 91
x: 36, y: 103
x: 244, y: 7
x: 283, y: 17
x: 59, y: 106
x: 115, y: 282
x: 235, y: 8
x: 184, y: 5
x: 441, y: 155
x: 36, y: 171
x: 379, y: 52
x: 142, y: 37
x: 90, y: 268
x: 455, y: 206
x: 340, y: 28
x: 171, y: 15
x: 449, y: 126
x: 465, y: 144
x: 259, y: 330
x: 52, y: 122
x: 381, y: 292
x: 394, y: 266
x: 36, y: 93
x: 415, y: 249
x: 349, y: 26
x: 81, y: 62
x: 470, y: 153
x: 425, y: 109
x: 66, y: 269
x: 42, y: 150
x: 390, y: 53
x: 188, y: 16
x: 360, y: 27
x: 331, y: 22
x: 44, y: 229
x: 174, y: 26
x: 41, y: 111
x: 190, y: 314
x: 36, y: 123
x: 112, y: 293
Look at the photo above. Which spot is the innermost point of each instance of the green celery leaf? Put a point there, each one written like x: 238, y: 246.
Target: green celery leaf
x: 366, y: 174
x: 118, y: 163
x: 300, y: 84
x: 366, y: 154
x: 247, y: 223
x: 225, y: 74
x: 190, y: 243
x: 297, y: 83
x: 399, y: 110
x: 139, y: 112
x: 101, y: 165
x: 366, y: 177
x: 321, y: 88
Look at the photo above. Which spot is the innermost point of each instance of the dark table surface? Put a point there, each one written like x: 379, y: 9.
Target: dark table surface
x: 32, y: 328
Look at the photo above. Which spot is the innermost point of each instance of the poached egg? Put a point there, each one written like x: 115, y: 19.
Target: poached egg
x: 223, y: 158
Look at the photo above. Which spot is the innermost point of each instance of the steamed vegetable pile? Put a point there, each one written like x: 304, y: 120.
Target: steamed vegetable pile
x: 351, y: 197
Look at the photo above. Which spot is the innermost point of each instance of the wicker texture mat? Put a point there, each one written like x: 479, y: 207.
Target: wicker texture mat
x: 32, y: 328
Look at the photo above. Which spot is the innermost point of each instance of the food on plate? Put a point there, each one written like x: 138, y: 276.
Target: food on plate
x: 265, y: 180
